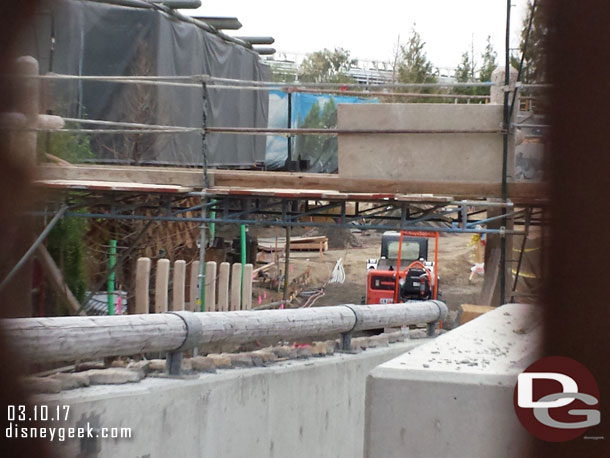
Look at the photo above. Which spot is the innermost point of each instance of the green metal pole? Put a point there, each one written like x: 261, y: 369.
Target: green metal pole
x: 111, y: 277
x: 212, y: 225
x: 243, y: 258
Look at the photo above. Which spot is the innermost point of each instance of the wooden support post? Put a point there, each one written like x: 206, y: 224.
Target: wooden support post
x: 490, y: 293
x: 193, y: 306
x: 178, y: 285
x: 161, y: 285
x: 223, y: 287
x: 235, y: 301
x: 142, y: 285
x: 57, y: 280
x: 247, y: 288
x: 210, y: 286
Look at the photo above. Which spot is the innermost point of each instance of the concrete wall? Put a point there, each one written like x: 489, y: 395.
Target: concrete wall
x: 462, y: 158
x: 453, y: 397
x: 304, y: 408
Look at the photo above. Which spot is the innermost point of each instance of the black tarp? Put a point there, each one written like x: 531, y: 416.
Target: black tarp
x: 96, y: 39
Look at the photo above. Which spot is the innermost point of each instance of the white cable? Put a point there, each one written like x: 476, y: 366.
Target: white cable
x: 338, y: 274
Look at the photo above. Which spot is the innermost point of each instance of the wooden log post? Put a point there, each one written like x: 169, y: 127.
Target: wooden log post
x: 102, y: 336
x: 142, y: 286
x: 178, y: 286
x: 161, y: 285
x: 193, y: 303
x: 223, y: 287
x: 235, y: 298
x: 210, y: 286
x: 25, y: 141
x: 247, y: 288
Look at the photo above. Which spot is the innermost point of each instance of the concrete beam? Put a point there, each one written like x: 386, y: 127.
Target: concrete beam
x: 454, y: 396
x: 298, y: 409
x: 465, y: 158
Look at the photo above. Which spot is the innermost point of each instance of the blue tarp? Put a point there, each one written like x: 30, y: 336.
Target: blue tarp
x: 321, y: 160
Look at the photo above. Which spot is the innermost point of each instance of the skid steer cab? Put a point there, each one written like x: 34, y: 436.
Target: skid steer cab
x: 403, y: 272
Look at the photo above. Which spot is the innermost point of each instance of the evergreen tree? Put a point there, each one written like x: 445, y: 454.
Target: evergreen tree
x: 414, y: 66
x: 489, y: 62
x: 465, y: 73
x: 462, y: 72
x: 533, y: 65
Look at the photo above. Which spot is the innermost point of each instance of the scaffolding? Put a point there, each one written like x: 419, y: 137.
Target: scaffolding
x: 74, y: 193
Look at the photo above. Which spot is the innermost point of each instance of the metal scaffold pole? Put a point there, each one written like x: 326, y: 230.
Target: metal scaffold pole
x: 43, y: 235
x: 505, y: 139
x: 204, y: 200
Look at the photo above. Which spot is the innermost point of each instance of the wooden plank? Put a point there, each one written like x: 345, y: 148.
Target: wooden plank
x: 56, y: 279
x: 192, y: 177
x: 178, y: 286
x: 317, y: 243
x: 210, y: 286
x: 235, y: 297
x: 161, y: 285
x: 112, y: 186
x: 247, y: 288
x: 472, y: 311
x: 142, y: 285
x: 316, y: 238
x: 313, y: 246
x: 263, y: 268
x: 223, y: 287
x: 193, y: 290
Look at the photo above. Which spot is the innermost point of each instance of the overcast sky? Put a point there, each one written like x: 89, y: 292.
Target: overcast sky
x: 370, y: 29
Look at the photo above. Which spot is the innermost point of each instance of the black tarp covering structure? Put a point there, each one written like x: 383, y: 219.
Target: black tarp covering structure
x: 90, y: 38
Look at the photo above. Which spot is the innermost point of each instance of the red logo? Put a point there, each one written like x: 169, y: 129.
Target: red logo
x: 557, y: 399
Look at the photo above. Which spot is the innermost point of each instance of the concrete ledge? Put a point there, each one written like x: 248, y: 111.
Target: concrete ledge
x: 303, y: 408
x: 453, y: 396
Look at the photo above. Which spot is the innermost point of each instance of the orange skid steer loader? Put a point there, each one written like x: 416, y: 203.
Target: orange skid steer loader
x: 403, y: 272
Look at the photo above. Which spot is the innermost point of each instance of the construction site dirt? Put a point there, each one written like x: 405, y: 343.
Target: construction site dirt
x: 456, y: 257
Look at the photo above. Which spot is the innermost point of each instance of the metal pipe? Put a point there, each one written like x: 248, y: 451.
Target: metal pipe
x: 258, y: 40
x: 286, y: 264
x: 507, y: 114
x: 32, y: 249
x: 521, y: 253
x: 267, y: 84
x: 74, y: 338
x: 264, y: 51
x: 111, y: 264
x: 255, y: 131
x: 320, y: 131
x: 527, y: 37
x: 212, y: 225
x: 220, y: 23
x: 203, y: 201
x: 289, y: 139
x: 389, y: 94
x: 242, y: 258
x: 181, y: 4
x: 205, y: 219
